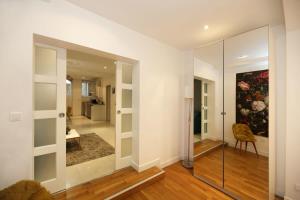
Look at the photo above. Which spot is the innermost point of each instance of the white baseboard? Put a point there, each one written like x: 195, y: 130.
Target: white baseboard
x: 287, y: 198
x: 134, y: 165
x: 140, y: 168
x: 170, y: 161
x: 263, y: 153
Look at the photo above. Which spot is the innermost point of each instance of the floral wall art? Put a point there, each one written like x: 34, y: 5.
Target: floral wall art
x: 252, y: 101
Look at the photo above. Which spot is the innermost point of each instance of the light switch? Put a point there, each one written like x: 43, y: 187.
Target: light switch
x: 15, y: 116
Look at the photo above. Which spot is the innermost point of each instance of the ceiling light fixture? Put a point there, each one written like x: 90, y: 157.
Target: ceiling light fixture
x: 105, y: 67
x: 205, y: 27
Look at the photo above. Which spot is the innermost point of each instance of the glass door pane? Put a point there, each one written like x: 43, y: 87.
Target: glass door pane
x: 208, y: 152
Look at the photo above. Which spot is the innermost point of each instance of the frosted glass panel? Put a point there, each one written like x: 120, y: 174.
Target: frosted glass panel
x: 45, y: 61
x: 126, y: 123
x: 205, y: 87
x: 126, y: 98
x: 205, y: 127
x: 205, y: 114
x: 127, y: 74
x: 45, y: 167
x: 126, y: 147
x: 205, y: 100
x: 44, y: 132
x: 45, y: 96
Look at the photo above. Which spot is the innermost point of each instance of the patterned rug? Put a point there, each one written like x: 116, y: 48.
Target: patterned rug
x: 91, y: 147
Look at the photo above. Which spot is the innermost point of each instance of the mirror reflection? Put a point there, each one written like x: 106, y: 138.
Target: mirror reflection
x: 231, y: 114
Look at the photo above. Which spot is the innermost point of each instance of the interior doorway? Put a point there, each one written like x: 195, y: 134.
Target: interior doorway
x: 91, y: 137
x: 197, y: 110
x: 204, y: 116
x: 88, y: 105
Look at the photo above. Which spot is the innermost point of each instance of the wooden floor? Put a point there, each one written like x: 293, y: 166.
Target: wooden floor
x: 245, y: 174
x: 178, y: 184
x: 205, y: 145
x: 249, y: 178
x: 107, y: 186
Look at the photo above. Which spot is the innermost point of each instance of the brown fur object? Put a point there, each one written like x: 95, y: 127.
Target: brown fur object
x: 25, y: 190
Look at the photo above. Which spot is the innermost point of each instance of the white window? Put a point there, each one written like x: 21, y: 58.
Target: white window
x: 85, y: 88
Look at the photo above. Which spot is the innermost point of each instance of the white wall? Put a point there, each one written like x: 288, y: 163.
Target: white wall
x: 105, y: 82
x: 76, y: 97
x: 277, y: 59
x: 160, y: 95
x: 292, y: 16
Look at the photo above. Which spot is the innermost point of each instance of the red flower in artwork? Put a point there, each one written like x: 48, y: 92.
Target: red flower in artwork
x: 264, y: 74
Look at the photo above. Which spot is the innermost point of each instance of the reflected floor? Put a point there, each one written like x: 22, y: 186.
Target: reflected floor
x: 205, y: 145
x: 245, y: 175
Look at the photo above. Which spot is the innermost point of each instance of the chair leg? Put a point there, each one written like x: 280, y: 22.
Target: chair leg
x: 255, y: 148
x: 236, y: 144
x: 241, y: 146
x: 246, y: 146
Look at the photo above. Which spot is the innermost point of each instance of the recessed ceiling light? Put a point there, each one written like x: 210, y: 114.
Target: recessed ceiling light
x: 205, y: 27
x: 105, y: 67
x: 242, y: 56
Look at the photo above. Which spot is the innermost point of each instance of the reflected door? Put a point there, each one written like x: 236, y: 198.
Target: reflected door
x: 49, y: 104
x: 124, y: 114
x: 204, y: 113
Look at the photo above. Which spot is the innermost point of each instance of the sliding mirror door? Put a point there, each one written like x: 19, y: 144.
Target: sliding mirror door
x: 246, y: 100
x: 208, y: 129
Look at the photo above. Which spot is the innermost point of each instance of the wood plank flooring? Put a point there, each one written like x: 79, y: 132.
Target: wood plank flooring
x: 178, y: 184
x: 245, y: 174
x: 107, y: 186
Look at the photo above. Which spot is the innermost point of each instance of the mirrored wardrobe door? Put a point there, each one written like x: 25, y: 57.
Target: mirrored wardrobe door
x: 208, y: 127
x: 246, y: 100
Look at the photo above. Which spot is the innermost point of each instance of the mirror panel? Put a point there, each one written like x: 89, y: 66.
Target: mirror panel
x: 208, y: 134
x: 246, y: 100
x: 231, y: 113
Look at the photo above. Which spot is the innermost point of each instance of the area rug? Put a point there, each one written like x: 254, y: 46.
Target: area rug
x: 91, y: 147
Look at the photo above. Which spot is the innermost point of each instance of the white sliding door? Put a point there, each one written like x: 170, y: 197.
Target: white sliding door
x: 123, y: 114
x: 49, y: 107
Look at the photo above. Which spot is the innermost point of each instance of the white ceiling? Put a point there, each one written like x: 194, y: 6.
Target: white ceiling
x: 253, y: 45
x: 88, y: 67
x: 180, y: 22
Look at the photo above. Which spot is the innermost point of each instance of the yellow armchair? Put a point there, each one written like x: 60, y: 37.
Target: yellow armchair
x: 242, y: 133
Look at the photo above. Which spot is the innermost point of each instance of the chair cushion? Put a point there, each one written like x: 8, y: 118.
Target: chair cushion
x: 25, y: 190
x: 243, y: 132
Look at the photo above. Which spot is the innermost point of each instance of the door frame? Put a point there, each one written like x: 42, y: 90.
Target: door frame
x: 135, y: 76
x: 108, y: 102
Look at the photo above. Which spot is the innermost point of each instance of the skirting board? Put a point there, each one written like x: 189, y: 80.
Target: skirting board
x: 287, y: 198
x: 170, y: 162
x: 145, y: 166
x: 266, y: 154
